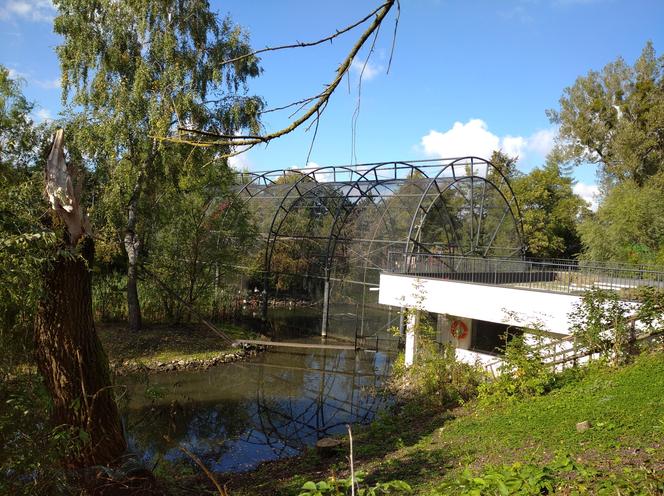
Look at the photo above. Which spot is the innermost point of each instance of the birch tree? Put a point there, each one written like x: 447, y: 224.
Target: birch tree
x: 131, y: 72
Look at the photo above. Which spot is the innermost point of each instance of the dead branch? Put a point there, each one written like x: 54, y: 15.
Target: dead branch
x: 315, y: 110
x: 222, y: 490
x: 394, y: 36
x: 306, y: 44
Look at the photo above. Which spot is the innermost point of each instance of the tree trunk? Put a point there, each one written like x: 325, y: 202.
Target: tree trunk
x: 68, y: 352
x: 73, y: 363
x: 132, y: 246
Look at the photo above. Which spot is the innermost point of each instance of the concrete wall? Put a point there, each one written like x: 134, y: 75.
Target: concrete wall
x: 519, y: 307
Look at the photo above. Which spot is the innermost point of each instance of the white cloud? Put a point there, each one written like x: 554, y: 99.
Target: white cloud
x: 48, y: 84
x: 324, y: 176
x: 518, y: 13
x: 514, y: 146
x: 542, y: 141
x: 43, y: 115
x: 14, y: 74
x: 589, y: 192
x: 240, y: 162
x: 474, y: 138
x: 367, y: 69
x: 27, y: 10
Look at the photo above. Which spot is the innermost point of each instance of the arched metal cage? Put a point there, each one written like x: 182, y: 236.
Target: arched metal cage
x: 328, y: 232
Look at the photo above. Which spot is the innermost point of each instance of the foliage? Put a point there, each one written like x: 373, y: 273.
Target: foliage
x: 202, y: 237
x: 342, y: 487
x: 20, y: 138
x: 615, y: 118
x: 436, y: 376
x: 28, y: 445
x: 550, y: 209
x: 600, y: 324
x: 108, y: 297
x: 25, y: 245
x: 628, y: 225
x: 132, y: 73
x: 516, y: 479
x: 523, y: 373
x: 560, y: 475
x: 650, y: 313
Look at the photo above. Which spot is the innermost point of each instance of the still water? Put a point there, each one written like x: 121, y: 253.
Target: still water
x: 237, y: 415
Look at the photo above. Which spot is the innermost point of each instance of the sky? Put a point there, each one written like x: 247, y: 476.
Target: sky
x: 466, y: 77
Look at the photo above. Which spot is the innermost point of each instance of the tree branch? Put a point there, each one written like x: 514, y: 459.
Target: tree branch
x: 307, y: 44
x: 316, y: 109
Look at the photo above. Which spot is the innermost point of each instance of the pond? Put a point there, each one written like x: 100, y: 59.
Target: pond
x: 272, y: 406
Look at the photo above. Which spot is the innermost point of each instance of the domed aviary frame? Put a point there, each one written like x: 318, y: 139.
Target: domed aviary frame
x: 346, y: 220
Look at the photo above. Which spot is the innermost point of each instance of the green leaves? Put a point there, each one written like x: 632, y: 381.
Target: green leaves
x: 342, y: 487
x: 562, y: 475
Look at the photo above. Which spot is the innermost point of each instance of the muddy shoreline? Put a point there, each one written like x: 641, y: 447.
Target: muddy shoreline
x: 126, y: 367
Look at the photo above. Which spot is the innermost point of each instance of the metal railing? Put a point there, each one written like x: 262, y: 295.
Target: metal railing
x: 558, y: 276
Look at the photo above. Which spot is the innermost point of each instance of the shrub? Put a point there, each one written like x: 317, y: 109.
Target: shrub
x: 523, y: 373
x: 600, y: 324
x: 343, y: 487
x: 436, y: 376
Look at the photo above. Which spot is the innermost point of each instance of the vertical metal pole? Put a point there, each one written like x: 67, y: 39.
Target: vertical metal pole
x: 357, y: 309
x: 266, y: 282
x: 326, y: 303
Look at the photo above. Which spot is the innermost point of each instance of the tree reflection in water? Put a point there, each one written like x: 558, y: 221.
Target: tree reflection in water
x: 236, y: 416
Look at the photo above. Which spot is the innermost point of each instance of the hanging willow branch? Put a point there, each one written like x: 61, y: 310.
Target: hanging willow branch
x: 320, y: 101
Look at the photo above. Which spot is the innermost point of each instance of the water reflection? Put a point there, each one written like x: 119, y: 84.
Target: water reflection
x: 238, y: 415
x: 345, y: 321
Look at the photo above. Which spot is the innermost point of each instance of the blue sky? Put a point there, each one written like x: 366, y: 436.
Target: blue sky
x: 467, y: 76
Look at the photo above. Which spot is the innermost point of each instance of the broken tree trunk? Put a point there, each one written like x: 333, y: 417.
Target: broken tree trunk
x: 68, y: 351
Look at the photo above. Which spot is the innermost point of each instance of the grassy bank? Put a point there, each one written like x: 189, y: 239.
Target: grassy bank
x: 454, y: 452
x: 159, y: 343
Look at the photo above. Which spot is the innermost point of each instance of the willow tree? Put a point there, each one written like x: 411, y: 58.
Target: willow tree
x: 134, y: 71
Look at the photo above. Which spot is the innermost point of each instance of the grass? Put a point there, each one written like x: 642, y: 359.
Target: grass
x: 427, y: 447
x: 165, y: 343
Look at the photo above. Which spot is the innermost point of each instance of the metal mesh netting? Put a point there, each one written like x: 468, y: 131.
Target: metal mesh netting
x: 328, y: 232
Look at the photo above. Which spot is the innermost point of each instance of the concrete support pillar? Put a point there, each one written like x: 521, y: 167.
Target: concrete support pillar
x: 411, y: 324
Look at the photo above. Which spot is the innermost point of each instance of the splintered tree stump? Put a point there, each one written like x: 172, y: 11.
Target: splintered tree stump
x: 68, y: 352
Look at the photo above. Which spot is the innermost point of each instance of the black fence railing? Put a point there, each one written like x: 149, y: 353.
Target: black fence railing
x: 559, y: 276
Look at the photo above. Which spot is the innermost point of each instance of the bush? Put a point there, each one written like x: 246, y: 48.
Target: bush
x: 600, y: 324
x: 436, y: 376
x: 30, y: 449
x: 343, y: 487
x: 523, y: 373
